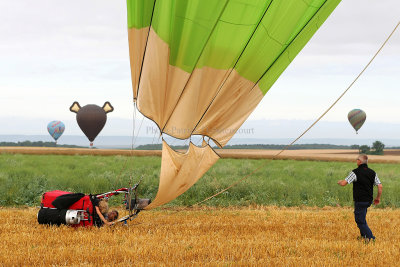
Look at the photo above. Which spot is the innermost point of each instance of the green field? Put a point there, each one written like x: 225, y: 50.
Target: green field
x: 23, y: 178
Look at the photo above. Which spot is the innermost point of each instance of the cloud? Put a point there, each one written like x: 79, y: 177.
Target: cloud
x: 55, y: 52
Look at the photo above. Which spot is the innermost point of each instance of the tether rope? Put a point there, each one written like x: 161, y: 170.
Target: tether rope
x: 133, y: 139
x: 133, y: 127
x: 312, y: 125
x: 137, y: 133
x: 154, y: 137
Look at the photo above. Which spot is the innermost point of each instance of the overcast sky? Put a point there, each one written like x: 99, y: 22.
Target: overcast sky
x: 55, y: 52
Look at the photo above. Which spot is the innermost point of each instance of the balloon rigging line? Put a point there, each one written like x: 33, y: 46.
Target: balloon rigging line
x: 265, y: 72
x: 137, y: 133
x: 289, y: 44
x: 159, y: 138
x: 138, y: 85
x: 145, y: 50
x: 197, y: 61
x: 222, y: 84
x: 118, y: 178
x: 312, y: 125
x: 200, y: 141
x: 133, y: 125
x: 154, y: 136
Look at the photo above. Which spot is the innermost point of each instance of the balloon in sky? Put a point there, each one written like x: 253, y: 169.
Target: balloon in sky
x: 91, y: 118
x: 56, y: 129
x: 200, y: 67
x: 357, y: 118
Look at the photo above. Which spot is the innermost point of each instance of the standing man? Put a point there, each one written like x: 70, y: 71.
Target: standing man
x: 363, y: 179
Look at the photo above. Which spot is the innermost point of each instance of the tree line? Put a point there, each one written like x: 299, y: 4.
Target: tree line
x: 376, y: 148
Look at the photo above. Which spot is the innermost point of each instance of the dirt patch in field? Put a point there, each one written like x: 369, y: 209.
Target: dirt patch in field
x: 391, y: 156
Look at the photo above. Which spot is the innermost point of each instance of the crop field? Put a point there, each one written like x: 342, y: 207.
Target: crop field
x: 251, y: 236
x: 289, y: 213
x: 343, y: 155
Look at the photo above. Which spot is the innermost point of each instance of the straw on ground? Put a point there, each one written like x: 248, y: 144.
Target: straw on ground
x: 207, y: 237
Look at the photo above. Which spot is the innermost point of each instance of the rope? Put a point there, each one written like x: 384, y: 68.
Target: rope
x: 154, y: 136
x: 140, y: 127
x: 133, y: 127
x: 312, y: 125
x: 133, y: 140
x: 118, y: 178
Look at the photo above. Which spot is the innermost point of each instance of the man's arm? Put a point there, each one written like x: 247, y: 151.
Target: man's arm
x: 349, y: 179
x: 102, y: 217
x: 377, y: 200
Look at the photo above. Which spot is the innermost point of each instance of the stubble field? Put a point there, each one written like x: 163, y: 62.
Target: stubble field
x: 252, y: 236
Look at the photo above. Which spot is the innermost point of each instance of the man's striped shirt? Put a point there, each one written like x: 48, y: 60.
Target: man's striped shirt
x: 352, y: 177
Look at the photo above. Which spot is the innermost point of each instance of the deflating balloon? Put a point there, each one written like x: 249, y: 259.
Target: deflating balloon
x: 56, y: 129
x: 357, y: 118
x: 200, y: 67
x: 91, y: 118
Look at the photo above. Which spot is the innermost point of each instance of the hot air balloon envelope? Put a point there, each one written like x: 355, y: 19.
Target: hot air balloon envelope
x: 91, y: 118
x: 200, y: 67
x: 357, y: 118
x: 56, y: 129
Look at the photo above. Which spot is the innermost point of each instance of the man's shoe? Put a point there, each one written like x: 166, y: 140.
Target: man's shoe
x: 369, y: 240
x: 360, y: 238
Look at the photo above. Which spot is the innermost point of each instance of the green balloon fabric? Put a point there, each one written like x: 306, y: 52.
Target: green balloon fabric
x: 256, y: 37
x: 200, y: 67
x: 357, y: 118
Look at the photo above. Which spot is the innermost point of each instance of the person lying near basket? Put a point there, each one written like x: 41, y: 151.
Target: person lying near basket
x: 104, y: 217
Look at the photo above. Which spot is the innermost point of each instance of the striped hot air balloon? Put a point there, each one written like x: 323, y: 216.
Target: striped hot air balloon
x: 357, y: 118
x: 200, y: 67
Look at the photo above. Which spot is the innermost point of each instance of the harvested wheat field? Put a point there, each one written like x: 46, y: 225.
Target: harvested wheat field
x: 206, y: 237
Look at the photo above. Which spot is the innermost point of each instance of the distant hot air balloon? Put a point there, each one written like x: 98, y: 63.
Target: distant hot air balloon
x: 56, y: 129
x: 357, y: 118
x: 91, y: 118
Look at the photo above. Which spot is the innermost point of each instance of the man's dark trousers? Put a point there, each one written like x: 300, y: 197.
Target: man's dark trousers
x: 360, y: 212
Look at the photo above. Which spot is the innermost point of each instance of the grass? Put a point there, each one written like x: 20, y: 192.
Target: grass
x: 24, y: 178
